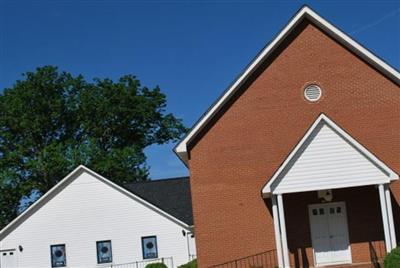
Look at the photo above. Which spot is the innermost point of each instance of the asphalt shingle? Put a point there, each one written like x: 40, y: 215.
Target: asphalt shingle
x: 171, y: 195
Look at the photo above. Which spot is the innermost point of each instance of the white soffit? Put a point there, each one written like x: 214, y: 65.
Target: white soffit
x: 327, y: 158
x: 305, y: 12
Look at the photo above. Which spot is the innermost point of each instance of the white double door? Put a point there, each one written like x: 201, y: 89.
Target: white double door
x: 329, y: 233
x: 8, y: 258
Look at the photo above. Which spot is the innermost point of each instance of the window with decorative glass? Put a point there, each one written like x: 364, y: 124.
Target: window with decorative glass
x: 58, y: 256
x: 104, y: 251
x: 149, y: 247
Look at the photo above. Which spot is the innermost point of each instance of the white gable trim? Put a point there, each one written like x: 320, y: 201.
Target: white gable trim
x: 305, y: 12
x: 391, y: 175
x: 64, y: 183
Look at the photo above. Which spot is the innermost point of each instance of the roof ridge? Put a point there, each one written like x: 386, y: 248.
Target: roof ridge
x: 159, y: 180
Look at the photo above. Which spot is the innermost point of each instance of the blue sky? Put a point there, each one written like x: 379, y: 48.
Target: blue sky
x: 191, y: 49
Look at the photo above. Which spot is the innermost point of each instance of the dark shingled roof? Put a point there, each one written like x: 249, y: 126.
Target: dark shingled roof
x: 171, y: 195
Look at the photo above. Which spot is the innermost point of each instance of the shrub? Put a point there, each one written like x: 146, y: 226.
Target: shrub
x: 191, y: 264
x: 392, y: 260
x: 156, y: 265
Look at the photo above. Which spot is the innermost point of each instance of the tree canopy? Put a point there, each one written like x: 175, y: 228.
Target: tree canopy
x: 52, y: 121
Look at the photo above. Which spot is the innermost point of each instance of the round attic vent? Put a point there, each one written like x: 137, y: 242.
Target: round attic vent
x: 312, y: 93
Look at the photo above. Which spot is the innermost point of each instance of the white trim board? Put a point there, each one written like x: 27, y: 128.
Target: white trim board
x: 376, y: 171
x: 64, y: 183
x: 181, y: 148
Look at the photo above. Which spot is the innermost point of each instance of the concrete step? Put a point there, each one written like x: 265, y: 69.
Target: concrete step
x: 353, y: 265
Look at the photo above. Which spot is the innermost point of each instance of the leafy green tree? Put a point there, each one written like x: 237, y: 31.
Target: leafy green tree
x: 52, y: 121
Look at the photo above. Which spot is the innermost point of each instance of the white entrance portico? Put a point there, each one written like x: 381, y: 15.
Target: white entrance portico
x: 328, y: 158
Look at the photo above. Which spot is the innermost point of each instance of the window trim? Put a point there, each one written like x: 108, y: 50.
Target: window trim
x: 51, y: 255
x: 97, y: 251
x: 155, y: 244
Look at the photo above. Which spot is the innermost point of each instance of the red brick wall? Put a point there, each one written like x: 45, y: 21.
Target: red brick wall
x: 233, y: 160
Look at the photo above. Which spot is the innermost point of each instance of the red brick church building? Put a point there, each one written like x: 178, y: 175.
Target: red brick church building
x: 300, y: 156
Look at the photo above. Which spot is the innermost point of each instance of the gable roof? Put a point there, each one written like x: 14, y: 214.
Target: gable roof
x: 69, y: 179
x: 305, y: 13
x: 327, y: 158
x: 171, y: 195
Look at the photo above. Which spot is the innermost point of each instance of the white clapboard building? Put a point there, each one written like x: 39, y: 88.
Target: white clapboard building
x: 88, y: 221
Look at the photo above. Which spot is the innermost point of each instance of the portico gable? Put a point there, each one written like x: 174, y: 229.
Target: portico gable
x: 326, y: 158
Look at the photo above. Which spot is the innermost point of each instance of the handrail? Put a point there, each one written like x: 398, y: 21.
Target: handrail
x: 142, y: 264
x: 266, y: 259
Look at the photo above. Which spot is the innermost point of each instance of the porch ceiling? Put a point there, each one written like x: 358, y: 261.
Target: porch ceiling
x: 327, y: 158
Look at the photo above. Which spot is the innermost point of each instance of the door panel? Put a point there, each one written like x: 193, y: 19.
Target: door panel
x: 320, y: 234
x: 329, y: 234
x: 338, y: 233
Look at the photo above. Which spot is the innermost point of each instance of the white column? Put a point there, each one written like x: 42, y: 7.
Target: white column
x: 390, y: 216
x: 278, y: 239
x: 382, y: 198
x: 285, y: 250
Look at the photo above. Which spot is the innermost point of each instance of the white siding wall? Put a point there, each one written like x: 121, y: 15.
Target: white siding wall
x: 326, y: 161
x: 87, y: 211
